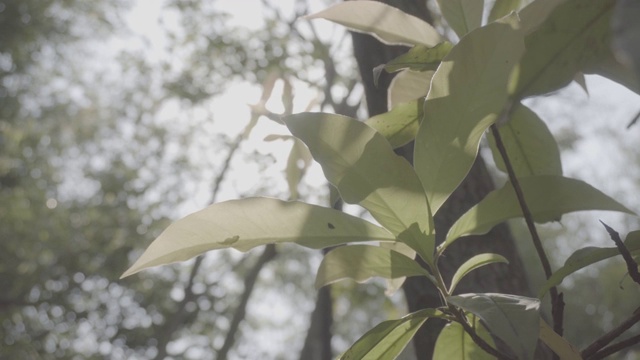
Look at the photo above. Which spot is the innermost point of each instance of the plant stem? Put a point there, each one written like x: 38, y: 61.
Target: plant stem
x: 634, y: 340
x: 557, y: 303
x: 605, y: 339
x: 462, y: 319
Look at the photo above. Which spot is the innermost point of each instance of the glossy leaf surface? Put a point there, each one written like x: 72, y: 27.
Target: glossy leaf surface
x: 247, y: 223
x: 399, y: 125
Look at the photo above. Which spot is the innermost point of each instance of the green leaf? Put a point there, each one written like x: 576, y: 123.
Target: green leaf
x: 399, y: 125
x: 468, y: 91
x: 407, y: 86
x: 360, y: 162
x: 502, y: 8
x: 531, y: 148
x: 586, y: 256
x: 462, y: 15
x: 559, y: 345
x: 514, y: 319
x: 394, y: 285
x: 575, y: 34
x: 475, y: 262
x: 454, y: 343
x: 547, y: 196
x: 386, y: 23
x: 612, y: 69
x: 362, y: 262
x: 535, y: 13
x: 420, y: 58
x: 247, y: 223
x: 387, y: 339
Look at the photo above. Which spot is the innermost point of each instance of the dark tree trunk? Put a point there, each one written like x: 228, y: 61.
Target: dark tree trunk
x: 495, y: 278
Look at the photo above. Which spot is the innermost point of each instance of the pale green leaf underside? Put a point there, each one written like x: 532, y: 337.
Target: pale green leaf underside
x: 420, y: 58
x: 584, y: 257
x: 559, y: 345
x: 531, y: 148
x: 462, y: 15
x: 474, y: 263
x: 387, y: 339
x: 575, y: 34
x: 548, y: 197
x: 363, y: 262
x: 407, y: 86
x: 514, y: 319
x: 247, y: 223
x: 454, y: 343
x: 468, y: 91
x: 361, y: 164
x: 387, y: 23
x: 399, y: 125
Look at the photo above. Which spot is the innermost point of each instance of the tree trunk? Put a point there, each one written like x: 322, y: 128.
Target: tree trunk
x: 418, y: 291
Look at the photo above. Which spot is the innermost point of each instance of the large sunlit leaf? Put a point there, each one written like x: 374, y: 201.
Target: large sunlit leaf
x: 548, y: 198
x: 475, y: 262
x: 387, y: 339
x: 559, y: 345
x: 468, y: 91
x: 420, y: 58
x: 363, y: 262
x: 399, y: 125
x: 514, y: 319
x: 454, y: 343
x: 502, y: 8
x: 386, y: 23
x: 247, y: 223
x: 361, y: 164
x: 575, y: 34
x: 407, y: 86
x: 462, y: 15
x: 531, y: 148
x: 584, y: 257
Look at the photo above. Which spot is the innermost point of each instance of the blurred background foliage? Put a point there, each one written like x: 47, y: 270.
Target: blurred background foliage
x: 105, y: 137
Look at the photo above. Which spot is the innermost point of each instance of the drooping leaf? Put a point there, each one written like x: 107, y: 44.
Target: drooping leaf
x: 531, y: 148
x: 547, y: 196
x: 454, y: 343
x: 407, y: 86
x: 387, y: 339
x: 360, y: 162
x: 559, y: 345
x: 468, y: 91
x: 420, y: 58
x: 247, y: 223
x: 362, y: 262
x: 586, y: 256
x: 502, y: 8
x: 399, y: 125
x: 475, y: 262
x: 514, y: 319
x: 386, y: 23
x: 462, y: 15
x: 575, y: 34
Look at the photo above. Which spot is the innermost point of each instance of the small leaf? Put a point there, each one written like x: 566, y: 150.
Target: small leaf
x: 559, y: 345
x: 362, y: 262
x: 474, y: 263
x: 407, y: 86
x: 388, y: 24
x: 502, y: 8
x: 575, y: 34
x: 362, y: 165
x: 420, y: 58
x: 387, y: 339
x: 462, y: 15
x: 547, y: 196
x: 454, y: 343
x: 247, y: 223
x: 586, y: 256
x: 399, y: 125
x: 467, y: 93
x: 531, y: 148
x: 514, y: 319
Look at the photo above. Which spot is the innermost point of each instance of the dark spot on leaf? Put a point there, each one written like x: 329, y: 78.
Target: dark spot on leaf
x: 330, y: 226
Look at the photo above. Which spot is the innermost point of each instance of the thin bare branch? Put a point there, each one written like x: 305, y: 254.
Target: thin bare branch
x: 605, y: 339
